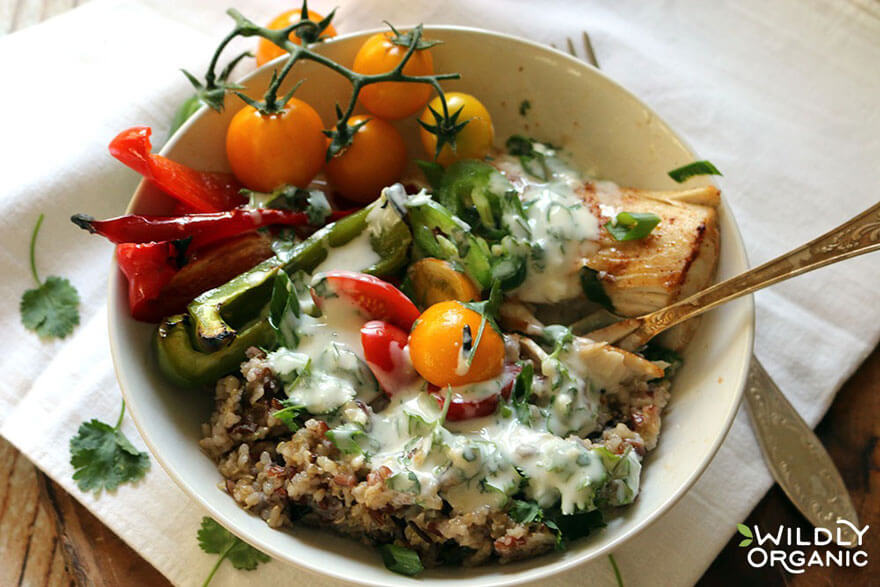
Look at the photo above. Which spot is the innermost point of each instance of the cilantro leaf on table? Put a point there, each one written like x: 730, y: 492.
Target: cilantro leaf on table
x: 215, y: 539
x: 52, y: 308
x: 103, y: 458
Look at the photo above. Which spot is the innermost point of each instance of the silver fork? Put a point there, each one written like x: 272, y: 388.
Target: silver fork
x: 793, y: 453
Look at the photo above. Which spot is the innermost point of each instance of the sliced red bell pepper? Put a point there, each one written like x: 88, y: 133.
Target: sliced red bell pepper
x: 384, y: 345
x: 158, y: 288
x: 202, y: 191
x: 374, y: 298
x: 202, y: 228
x: 463, y: 408
x: 148, y: 268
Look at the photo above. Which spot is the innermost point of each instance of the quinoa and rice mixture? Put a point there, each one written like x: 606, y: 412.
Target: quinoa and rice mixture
x: 300, y: 477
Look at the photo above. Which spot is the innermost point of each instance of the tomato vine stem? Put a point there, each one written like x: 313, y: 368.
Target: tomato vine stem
x: 213, y: 91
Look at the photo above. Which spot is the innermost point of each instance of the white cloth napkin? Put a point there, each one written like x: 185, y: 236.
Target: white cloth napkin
x: 783, y: 97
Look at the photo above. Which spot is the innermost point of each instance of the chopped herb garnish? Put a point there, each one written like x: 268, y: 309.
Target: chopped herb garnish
x: 522, y: 391
x: 487, y: 310
x: 685, y: 172
x: 284, y: 311
x: 524, y: 107
x: 52, y: 308
x: 103, y: 458
x: 349, y: 438
x: 593, y: 288
x: 401, y: 560
x: 289, y: 413
x: 313, y: 202
x: 630, y: 226
x: 534, y: 161
x: 215, y: 539
x: 525, y: 512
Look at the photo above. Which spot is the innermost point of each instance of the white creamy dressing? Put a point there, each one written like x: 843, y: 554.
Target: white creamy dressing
x: 480, y: 462
x: 331, y: 356
x: 563, y: 232
x: 355, y: 255
x: 358, y: 254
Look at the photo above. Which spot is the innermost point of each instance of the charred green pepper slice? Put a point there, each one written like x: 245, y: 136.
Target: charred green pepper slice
x: 210, y: 340
x: 186, y: 366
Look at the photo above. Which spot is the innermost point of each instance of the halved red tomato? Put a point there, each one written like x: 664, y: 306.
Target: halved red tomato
x: 374, y: 298
x: 462, y: 407
x: 384, y: 345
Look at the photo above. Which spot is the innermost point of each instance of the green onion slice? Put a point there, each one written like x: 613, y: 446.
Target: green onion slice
x: 631, y: 226
x: 691, y: 169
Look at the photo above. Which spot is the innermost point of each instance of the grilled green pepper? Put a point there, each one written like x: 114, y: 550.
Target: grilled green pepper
x: 222, y: 323
x: 187, y: 367
x: 438, y: 233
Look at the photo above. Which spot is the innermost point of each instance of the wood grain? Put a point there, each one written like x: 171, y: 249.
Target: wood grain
x: 850, y: 432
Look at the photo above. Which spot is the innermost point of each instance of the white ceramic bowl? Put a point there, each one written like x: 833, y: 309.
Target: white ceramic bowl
x: 608, y: 132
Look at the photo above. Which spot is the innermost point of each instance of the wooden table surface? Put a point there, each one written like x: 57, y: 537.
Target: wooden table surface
x: 47, y: 538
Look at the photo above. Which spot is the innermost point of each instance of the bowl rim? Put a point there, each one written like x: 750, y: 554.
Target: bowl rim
x: 530, y: 574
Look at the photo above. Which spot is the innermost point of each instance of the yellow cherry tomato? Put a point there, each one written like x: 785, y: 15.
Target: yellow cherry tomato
x: 392, y: 100
x: 268, y: 150
x: 375, y: 159
x: 435, y: 346
x: 267, y: 50
x: 434, y: 280
x: 473, y: 141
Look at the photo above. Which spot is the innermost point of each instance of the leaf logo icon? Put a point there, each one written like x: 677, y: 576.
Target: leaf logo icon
x: 744, y: 530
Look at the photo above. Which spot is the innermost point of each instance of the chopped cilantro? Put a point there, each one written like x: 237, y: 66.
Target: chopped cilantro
x: 524, y: 107
x: 52, y: 308
x: 103, y: 458
x: 401, y: 560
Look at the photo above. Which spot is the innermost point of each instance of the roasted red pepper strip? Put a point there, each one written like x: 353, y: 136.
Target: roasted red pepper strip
x: 148, y: 268
x: 202, y: 228
x: 157, y: 288
x: 202, y: 191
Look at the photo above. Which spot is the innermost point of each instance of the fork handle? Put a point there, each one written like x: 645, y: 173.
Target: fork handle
x: 855, y: 237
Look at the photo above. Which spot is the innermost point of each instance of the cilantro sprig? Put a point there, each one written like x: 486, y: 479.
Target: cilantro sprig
x: 215, y: 539
x: 103, y: 458
x: 52, y: 308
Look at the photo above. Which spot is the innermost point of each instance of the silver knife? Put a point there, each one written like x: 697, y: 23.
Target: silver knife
x: 797, y: 459
x: 793, y: 453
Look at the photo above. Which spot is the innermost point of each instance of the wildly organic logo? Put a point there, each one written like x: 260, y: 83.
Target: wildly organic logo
x: 744, y: 530
x: 782, y: 547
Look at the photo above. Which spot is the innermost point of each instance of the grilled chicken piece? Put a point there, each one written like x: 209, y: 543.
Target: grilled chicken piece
x: 607, y: 366
x: 677, y: 259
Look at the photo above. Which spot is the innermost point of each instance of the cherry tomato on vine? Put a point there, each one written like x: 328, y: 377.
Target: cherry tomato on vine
x: 473, y: 141
x: 267, y: 50
x: 436, y: 341
x: 268, y: 150
x: 375, y: 159
x: 392, y: 100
